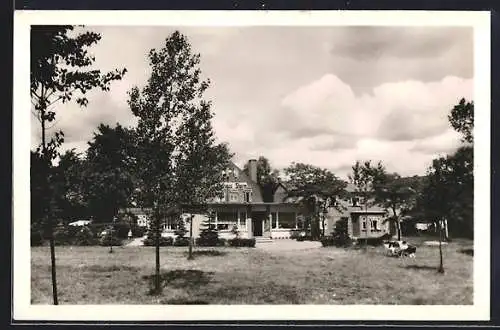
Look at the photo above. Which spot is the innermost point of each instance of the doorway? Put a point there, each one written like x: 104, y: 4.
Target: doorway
x: 257, y: 218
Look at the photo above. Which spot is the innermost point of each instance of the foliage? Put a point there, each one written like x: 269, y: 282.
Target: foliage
x: 138, y: 231
x: 121, y: 229
x: 110, y: 240
x: 317, y: 190
x: 209, y: 235
x: 373, y: 241
x: 63, y: 234
x: 461, y: 119
x: 449, y: 192
x: 235, y: 231
x: 178, y: 159
x: 181, y: 241
x: 85, y: 237
x: 340, y: 236
x: 267, y: 178
x: 61, y: 70
x: 365, y: 177
x: 180, y: 231
x: 164, y: 241
x: 395, y: 193
x: 109, y: 171
x: 242, y: 242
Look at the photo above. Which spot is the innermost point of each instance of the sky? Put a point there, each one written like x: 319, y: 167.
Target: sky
x: 326, y: 96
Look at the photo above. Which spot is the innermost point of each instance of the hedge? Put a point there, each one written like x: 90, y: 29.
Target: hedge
x: 242, y: 242
x: 164, y: 241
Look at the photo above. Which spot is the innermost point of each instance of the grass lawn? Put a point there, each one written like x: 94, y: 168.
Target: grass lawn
x: 91, y: 275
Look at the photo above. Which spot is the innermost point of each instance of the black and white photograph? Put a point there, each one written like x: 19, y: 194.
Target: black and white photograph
x: 339, y: 166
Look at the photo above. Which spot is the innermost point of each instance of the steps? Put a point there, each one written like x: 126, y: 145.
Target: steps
x: 260, y: 239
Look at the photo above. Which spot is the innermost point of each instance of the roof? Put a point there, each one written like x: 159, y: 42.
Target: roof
x: 243, y: 177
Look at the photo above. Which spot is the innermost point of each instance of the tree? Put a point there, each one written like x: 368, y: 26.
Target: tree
x: 208, y: 235
x: 178, y: 161
x: 461, y: 119
x: 60, y: 72
x: 109, y: 172
x: 396, y: 194
x: 317, y: 189
x: 67, y: 182
x: 267, y: 178
x: 449, y: 193
x: 365, y: 176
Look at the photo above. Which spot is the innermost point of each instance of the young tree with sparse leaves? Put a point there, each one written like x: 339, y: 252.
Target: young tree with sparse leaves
x: 178, y: 161
x: 61, y: 71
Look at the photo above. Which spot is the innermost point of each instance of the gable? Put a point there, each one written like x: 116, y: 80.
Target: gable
x: 238, y: 180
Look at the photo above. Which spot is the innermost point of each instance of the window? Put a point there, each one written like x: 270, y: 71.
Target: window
x: 222, y: 226
x: 355, y: 201
x: 233, y: 197
x: 248, y: 196
x: 364, y: 224
x: 374, y: 225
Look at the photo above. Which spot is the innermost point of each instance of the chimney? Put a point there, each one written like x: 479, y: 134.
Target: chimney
x: 252, y: 169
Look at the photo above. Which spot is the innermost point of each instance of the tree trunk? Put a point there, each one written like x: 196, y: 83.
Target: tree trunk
x: 441, y: 266
x: 190, y: 254
x: 157, y: 252
x: 47, y: 209
x: 53, y: 265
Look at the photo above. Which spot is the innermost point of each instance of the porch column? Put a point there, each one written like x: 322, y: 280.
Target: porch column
x: 296, y: 222
x: 216, y: 218
x: 277, y: 219
x: 238, y: 210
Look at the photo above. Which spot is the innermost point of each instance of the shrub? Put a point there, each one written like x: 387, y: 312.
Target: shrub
x: 374, y: 241
x: 138, y: 231
x: 85, y: 237
x: 295, y: 234
x: 181, y: 241
x: 221, y: 242
x: 209, y: 236
x: 242, y: 242
x: 235, y: 231
x: 110, y: 240
x: 121, y: 229
x: 62, y: 235
x: 337, y: 241
x: 305, y: 238
x: 164, y: 241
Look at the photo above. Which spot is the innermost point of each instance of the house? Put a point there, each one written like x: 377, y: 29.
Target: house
x: 242, y: 206
x: 362, y: 221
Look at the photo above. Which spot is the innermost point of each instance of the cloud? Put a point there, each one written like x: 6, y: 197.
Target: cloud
x: 321, y: 95
x: 365, y: 43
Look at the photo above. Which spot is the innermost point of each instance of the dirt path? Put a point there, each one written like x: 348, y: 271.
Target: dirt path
x: 138, y: 241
